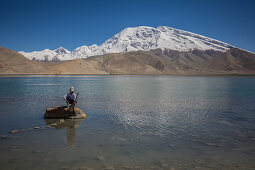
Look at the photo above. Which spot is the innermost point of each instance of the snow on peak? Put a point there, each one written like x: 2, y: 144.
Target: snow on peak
x: 58, y: 54
x: 61, y: 50
x: 85, y: 51
x: 134, y: 39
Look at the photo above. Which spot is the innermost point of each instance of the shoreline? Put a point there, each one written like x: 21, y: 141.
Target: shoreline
x: 129, y: 75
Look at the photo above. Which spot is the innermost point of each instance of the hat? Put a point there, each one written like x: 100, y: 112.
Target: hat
x: 71, y: 89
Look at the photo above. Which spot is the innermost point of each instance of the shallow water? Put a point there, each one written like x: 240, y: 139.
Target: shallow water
x: 134, y: 122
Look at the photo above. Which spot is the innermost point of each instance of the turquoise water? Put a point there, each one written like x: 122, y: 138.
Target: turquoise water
x: 134, y: 122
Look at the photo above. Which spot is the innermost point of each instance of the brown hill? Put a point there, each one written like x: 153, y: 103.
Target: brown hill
x: 234, y: 61
x: 72, y: 67
x: 122, y: 64
x: 195, y: 62
x: 12, y: 62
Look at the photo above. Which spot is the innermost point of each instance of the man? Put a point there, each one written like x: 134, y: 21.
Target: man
x: 70, y: 97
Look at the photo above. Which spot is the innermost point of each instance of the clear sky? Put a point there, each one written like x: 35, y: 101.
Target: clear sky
x: 30, y: 25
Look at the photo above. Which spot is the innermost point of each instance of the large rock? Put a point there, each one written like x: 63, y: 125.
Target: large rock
x: 62, y: 112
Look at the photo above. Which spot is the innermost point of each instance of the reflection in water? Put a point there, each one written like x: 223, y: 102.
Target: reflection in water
x: 69, y: 125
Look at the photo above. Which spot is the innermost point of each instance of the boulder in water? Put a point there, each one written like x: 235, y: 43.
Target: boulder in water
x: 62, y: 112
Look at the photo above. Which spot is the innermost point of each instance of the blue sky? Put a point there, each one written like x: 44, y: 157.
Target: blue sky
x: 30, y: 25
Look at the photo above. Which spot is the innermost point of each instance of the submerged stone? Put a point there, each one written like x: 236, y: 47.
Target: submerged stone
x: 4, y: 137
x: 63, y: 123
x: 171, y: 146
x: 100, y: 158
x: 62, y: 112
x: 211, y: 144
x: 14, y: 131
x: 109, y: 167
x: 35, y: 151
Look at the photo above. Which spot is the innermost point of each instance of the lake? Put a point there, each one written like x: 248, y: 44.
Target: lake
x: 133, y: 122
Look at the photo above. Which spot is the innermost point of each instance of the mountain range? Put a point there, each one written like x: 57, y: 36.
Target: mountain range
x: 138, y: 50
x: 141, y: 38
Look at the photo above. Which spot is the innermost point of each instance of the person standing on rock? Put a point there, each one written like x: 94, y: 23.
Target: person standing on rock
x: 70, y: 97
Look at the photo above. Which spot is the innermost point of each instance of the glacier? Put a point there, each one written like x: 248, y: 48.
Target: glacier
x: 142, y: 38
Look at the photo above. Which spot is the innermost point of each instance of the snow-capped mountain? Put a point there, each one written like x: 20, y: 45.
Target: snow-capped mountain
x: 58, y: 54
x: 134, y: 39
x: 86, y: 51
x: 61, y: 51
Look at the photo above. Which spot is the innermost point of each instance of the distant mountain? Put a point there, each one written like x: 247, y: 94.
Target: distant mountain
x: 58, y: 54
x: 12, y: 62
x: 173, y: 62
x: 141, y: 38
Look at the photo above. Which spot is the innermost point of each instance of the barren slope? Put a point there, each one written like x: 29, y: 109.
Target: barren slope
x: 12, y: 62
x: 72, y: 67
x: 234, y: 61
